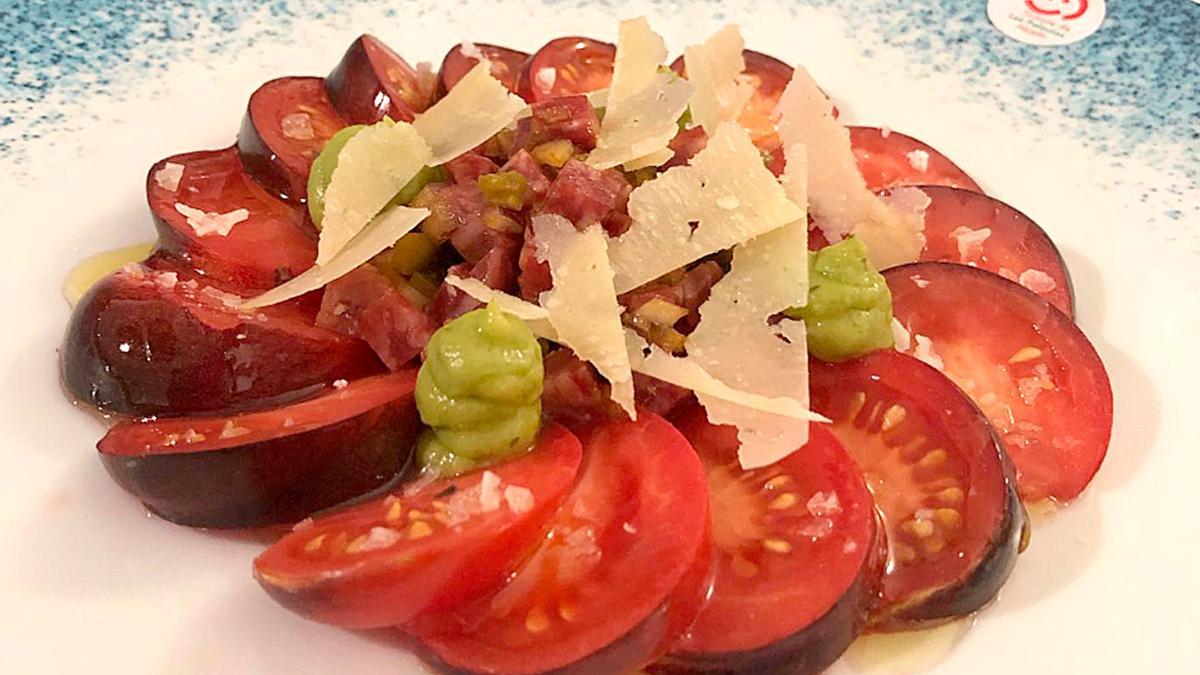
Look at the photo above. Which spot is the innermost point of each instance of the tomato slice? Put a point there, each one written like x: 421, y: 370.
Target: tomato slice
x: 385, y: 561
x: 973, y: 229
x: 799, y: 557
x: 272, y: 244
x: 507, y: 65
x: 939, y: 477
x: 268, y: 467
x: 287, y: 123
x: 372, y: 82
x: 891, y: 159
x: 1028, y: 367
x: 614, y: 582
x: 567, y: 66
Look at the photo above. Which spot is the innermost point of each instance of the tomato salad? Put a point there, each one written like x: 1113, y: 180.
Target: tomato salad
x: 385, y: 316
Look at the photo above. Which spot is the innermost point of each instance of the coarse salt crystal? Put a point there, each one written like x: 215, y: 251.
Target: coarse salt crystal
x: 206, y: 223
x: 545, y: 78
x: 884, y: 132
x: 489, y: 492
x: 298, y: 126
x: 918, y: 159
x: 166, y: 280
x: 1037, y: 281
x: 471, y: 51
x: 919, y: 281
x: 824, y: 504
x: 338, y: 384
x: 924, y: 351
x: 168, y: 176
x: 970, y: 242
x: 519, y: 499
x: 628, y: 527
x: 819, y: 527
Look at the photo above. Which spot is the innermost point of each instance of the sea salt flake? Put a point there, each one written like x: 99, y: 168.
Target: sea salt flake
x: 168, y: 176
x: 924, y: 351
x: 471, y: 51
x: 379, y: 537
x: 1037, y: 281
x: 545, y: 78
x: 918, y: 159
x: 824, y: 504
x: 970, y: 242
x: 231, y: 430
x: 519, y: 499
x: 297, y: 126
x: 339, y: 384
x: 205, y: 223
x: 489, y: 492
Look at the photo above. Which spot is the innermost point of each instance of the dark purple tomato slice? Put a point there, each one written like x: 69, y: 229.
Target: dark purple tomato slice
x: 385, y: 561
x: 615, y: 581
x: 567, y: 66
x: 973, y: 229
x: 287, y: 122
x: 507, y: 65
x: 372, y: 82
x: 798, y: 553
x: 147, y: 342
x: 1030, y: 370
x: 891, y: 159
x: 268, y: 467
x: 189, y: 196
x: 939, y: 477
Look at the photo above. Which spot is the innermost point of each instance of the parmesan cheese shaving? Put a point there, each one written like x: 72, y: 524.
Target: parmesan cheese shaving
x: 582, y: 305
x: 535, y: 316
x: 643, y: 106
x: 713, y: 69
x: 838, y: 194
x: 653, y: 159
x: 385, y: 230
x: 372, y: 167
x: 724, y: 197
x: 473, y: 111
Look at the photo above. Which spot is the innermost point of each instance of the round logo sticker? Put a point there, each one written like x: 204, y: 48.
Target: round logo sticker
x: 1046, y: 22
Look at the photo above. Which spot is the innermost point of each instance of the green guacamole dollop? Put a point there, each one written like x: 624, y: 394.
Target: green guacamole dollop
x: 479, y: 391
x: 849, y: 310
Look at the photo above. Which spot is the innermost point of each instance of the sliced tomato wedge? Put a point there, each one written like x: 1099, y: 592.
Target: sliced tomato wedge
x: 507, y: 65
x: 799, y: 557
x: 973, y: 229
x: 372, y: 82
x: 287, y: 122
x: 1027, y: 366
x: 889, y: 159
x: 269, y: 246
x: 617, y: 578
x: 939, y: 477
x: 567, y: 66
x: 385, y: 561
x: 268, y: 467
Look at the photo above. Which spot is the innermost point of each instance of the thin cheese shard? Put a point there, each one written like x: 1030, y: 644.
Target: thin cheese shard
x: 372, y: 167
x: 838, y: 194
x: 724, y: 197
x: 473, y: 111
x: 714, y: 68
x: 582, y: 305
x: 385, y: 230
x: 643, y: 105
x: 535, y: 316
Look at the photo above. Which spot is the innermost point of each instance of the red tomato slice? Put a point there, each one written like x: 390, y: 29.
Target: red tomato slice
x: 385, y: 561
x: 604, y: 591
x: 940, y: 479
x: 1028, y: 367
x: 287, y: 123
x: 893, y: 159
x: 799, y: 557
x: 1012, y: 246
x: 274, y: 466
x: 507, y: 65
x: 270, y: 246
x: 372, y: 82
x: 566, y: 66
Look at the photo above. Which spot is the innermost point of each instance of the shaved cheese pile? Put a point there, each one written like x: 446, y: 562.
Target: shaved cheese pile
x: 473, y: 111
x: 582, y: 305
x: 372, y: 167
x: 385, y: 230
x: 840, y: 201
x: 643, y: 106
x: 726, y: 192
x: 714, y: 68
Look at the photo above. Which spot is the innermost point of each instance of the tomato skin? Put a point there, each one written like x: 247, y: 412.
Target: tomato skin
x: 372, y: 82
x: 437, y: 572
x: 580, y: 65
x: 507, y: 66
x: 614, y: 583
x: 1051, y: 400
x: 884, y: 161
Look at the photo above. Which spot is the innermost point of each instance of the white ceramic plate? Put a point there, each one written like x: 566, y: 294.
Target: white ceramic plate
x: 1091, y: 140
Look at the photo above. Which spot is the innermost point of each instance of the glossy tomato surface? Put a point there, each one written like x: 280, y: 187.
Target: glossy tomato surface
x: 506, y: 64
x: 614, y: 582
x: 1030, y: 370
x: 372, y: 82
x: 384, y: 562
x: 889, y: 159
x: 566, y: 66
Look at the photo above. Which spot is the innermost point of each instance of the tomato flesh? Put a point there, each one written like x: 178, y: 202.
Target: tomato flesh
x: 892, y: 159
x: 938, y: 475
x: 287, y: 123
x: 274, y: 466
x: 1031, y: 371
x: 567, y: 66
x: 972, y: 228
x: 798, y: 557
x: 600, y: 594
x: 507, y: 65
x: 386, y: 561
